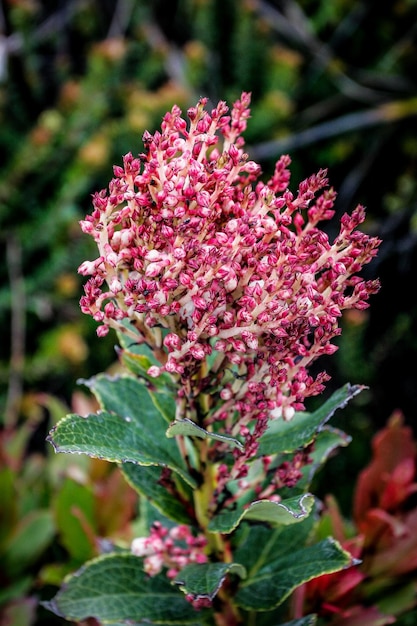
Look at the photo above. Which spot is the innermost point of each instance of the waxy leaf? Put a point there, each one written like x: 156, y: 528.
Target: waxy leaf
x: 31, y: 537
x: 138, y: 364
x: 124, y: 395
x: 114, y: 588
x: 74, y: 513
x: 277, y: 562
x: 282, y: 436
x: 160, y: 388
x: 130, y: 428
x: 103, y: 387
x: 188, y: 428
x: 204, y: 580
x: 164, y: 401
x: 145, y: 480
x: 327, y: 440
x: 286, y: 512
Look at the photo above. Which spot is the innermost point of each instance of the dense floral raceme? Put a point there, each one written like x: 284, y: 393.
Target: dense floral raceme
x: 228, y: 279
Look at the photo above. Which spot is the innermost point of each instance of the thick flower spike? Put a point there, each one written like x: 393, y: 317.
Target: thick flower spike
x: 206, y: 260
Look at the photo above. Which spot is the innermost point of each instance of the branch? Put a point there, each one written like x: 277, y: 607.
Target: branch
x: 383, y: 114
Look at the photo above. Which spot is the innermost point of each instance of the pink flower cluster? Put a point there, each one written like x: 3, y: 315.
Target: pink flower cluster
x: 174, y: 549
x: 228, y: 279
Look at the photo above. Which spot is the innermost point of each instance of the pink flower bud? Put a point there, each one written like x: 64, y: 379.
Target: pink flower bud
x: 198, y: 352
x: 87, y: 227
x: 221, y: 346
x: 199, y: 303
x: 252, y: 167
x: 287, y: 413
x: 172, y: 342
x: 111, y: 259
x: 141, y: 546
x: 185, y: 279
x: 115, y: 286
x: 226, y: 394
x: 153, y: 269
x: 87, y: 268
x: 154, y: 371
x: 153, y: 564
x: 109, y: 309
x: 173, y: 367
x: 251, y: 340
x: 102, y: 331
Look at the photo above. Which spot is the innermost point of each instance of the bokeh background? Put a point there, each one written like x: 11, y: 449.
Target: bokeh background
x: 334, y: 84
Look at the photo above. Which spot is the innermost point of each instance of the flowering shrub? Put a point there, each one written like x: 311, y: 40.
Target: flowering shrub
x: 223, y: 290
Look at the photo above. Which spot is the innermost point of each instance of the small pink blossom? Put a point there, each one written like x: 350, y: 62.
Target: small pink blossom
x: 172, y: 548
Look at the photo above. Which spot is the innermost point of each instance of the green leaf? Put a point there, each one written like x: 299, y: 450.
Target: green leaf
x: 138, y: 360
x: 31, y: 538
x: 327, y: 440
x: 137, y: 363
x: 286, y: 512
x: 145, y: 480
x: 277, y: 563
x: 103, y: 385
x: 129, y: 429
x: 284, y: 436
x: 188, y: 428
x: 165, y: 402
x: 204, y: 580
x: 114, y: 588
x: 19, y: 588
x: 9, y: 509
x: 74, y: 511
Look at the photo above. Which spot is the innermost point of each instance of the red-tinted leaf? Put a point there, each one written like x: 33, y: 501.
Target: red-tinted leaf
x: 391, y: 447
x: 400, y: 557
x: 379, y: 528
x: 399, y: 485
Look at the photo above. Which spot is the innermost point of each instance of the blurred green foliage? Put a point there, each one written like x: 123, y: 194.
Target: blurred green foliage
x: 333, y: 84
x: 55, y: 512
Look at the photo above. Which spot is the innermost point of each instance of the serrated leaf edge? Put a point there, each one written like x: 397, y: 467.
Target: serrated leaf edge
x: 59, y: 449
x: 305, y: 511
x: 331, y: 540
x: 231, y: 568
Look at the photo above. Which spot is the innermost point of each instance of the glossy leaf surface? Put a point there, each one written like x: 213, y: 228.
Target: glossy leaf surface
x: 205, y: 579
x: 130, y: 428
x: 286, y: 512
x: 114, y: 588
x: 284, y: 436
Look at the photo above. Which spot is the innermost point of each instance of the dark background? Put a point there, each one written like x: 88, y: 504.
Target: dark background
x: 334, y: 84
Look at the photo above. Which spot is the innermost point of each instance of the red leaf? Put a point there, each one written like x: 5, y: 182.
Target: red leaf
x: 387, y: 481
